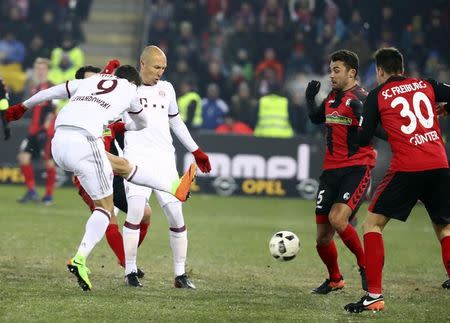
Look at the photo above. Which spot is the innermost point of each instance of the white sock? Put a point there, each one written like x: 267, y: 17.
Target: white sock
x: 179, y: 243
x: 130, y: 245
x: 374, y: 295
x: 95, y: 230
x: 150, y: 177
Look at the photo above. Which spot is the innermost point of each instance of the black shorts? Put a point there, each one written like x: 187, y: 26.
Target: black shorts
x: 342, y: 185
x: 398, y: 192
x: 37, y: 145
x: 119, y: 196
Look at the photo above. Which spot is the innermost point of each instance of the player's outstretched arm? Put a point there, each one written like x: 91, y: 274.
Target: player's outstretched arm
x: 181, y: 131
x: 60, y: 91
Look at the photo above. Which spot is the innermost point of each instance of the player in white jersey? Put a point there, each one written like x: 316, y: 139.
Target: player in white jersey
x: 77, y: 145
x: 154, y: 145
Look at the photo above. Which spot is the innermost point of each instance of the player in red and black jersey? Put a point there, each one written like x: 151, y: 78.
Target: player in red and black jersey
x: 37, y: 143
x: 406, y: 108
x: 346, y: 168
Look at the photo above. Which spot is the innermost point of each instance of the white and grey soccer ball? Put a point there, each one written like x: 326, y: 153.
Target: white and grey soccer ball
x: 284, y: 245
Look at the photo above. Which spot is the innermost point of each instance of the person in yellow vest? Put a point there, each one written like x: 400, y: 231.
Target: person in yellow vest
x: 274, y: 116
x: 66, y: 60
x: 190, y: 106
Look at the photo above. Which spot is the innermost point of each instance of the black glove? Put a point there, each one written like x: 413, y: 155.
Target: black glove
x: 357, y: 107
x: 7, y: 132
x: 312, y: 89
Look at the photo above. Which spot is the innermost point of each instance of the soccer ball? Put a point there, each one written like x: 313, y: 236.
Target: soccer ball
x: 284, y: 245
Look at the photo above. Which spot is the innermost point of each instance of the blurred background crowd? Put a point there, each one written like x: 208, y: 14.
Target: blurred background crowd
x: 225, y: 55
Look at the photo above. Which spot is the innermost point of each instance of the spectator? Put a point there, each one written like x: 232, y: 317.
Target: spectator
x: 213, y: 108
x: 298, y: 62
x: 182, y: 73
x: 12, y: 50
x: 300, y: 12
x: 246, y: 14
x: 272, y: 13
x: 188, y: 39
x: 160, y: 31
x: 36, y: 49
x: 270, y: 62
x: 357, y: 43
x: 193, y: 12
x: 66, y: 60
x: 240, y: 37
x: 243, y: 105
x: 231, y: 126
x: 214, y: 74
x: 330, y: 24
x: 274, y: 115
x: 190, y: 106
x: 244, y: 63
x: 162, y: 9
x: 49, y: 29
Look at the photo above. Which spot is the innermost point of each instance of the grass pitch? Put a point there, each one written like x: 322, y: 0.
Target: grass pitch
x: 228, y: 260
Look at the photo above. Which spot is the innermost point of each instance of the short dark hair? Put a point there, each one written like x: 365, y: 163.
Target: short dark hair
x: 349, y: 58
x: 390, y: 60
x: 129, y: 73
x: 88, y: 68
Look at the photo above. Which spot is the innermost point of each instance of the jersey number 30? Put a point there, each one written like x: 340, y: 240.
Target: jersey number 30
x: 415, y: 115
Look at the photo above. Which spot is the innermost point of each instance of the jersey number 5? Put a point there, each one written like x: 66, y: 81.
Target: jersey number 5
x: 418, y: 98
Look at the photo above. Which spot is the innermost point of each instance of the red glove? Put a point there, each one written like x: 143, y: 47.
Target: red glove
x: 15, y: 112
x: 111, y: 66
x: 202, y: 160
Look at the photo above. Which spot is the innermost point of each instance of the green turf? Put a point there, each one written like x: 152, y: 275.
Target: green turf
x: 228, y: 260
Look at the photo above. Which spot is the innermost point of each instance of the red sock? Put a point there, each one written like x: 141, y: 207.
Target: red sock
x: 115, y: 241
x: 374, y: 250
x: 351, y: 240
x: 28, y: 173
x: 50, y: 181
x: 445, y: 244
x: 143, y: 232
x: 328, y: 254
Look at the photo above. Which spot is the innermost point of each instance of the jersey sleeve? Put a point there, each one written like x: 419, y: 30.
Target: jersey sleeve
x: 441, y: 90
x: 61, y: 91
x: 135, y: 105
x: 316, y: 113
x: 369, y: 120
x: 173, y: 106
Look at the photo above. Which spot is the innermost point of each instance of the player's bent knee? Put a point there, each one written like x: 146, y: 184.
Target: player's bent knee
x: 24, y: 158
x: 442, y: 230
x: 106, y: 203
x: 374, y: 222
x: 136, y: 207
x: 324, y: 240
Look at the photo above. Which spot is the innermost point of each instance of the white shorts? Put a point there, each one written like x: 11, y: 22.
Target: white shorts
x: 164, y: 162
x: 77, y: 151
